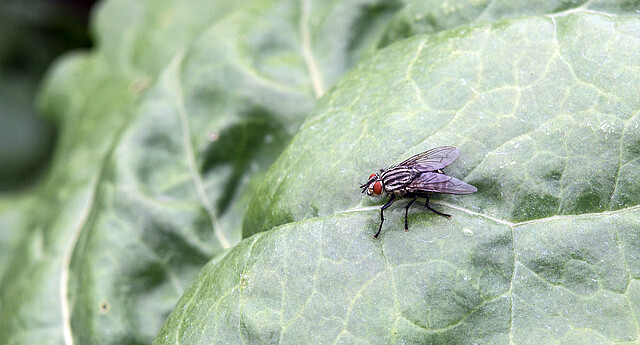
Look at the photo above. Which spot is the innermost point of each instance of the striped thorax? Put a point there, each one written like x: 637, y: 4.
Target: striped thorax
x: 396, y: 178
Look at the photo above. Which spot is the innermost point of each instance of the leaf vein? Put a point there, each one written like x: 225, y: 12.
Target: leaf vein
x: 195, y: 175
x: 307, y: 52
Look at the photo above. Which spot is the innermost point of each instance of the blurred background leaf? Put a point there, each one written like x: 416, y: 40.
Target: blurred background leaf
x: 34, y: 32
x: 166, y: 128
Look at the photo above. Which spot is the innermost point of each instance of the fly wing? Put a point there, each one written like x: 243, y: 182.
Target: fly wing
x: 433, y: 182
x: 433, y: 159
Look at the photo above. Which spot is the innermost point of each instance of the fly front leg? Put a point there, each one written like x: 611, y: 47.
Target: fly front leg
x: 406, y: 213
x: 389, y: 202
x: 426, y: 204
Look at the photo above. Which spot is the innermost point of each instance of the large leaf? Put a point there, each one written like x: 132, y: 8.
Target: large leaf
x: 545, y: 110
x: 166, y: 130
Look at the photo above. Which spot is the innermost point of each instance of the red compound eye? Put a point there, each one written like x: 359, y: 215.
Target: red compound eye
x: 377, y: 188
x: 371, y: 176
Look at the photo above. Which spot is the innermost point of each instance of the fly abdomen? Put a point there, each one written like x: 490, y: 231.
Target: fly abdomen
x: 396, y: 178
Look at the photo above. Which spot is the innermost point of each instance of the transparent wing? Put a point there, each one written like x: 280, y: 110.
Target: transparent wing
x: 433, y: 159
x: 433, y: 182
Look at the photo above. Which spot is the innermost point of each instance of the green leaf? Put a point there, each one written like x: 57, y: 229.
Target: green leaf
x: 167, y: 128
x: 470, y: 279
x: 12, y: 216
x: 432, y: 16
x: 545, y: 113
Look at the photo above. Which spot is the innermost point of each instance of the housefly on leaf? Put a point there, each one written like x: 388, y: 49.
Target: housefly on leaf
x: 417, y: 177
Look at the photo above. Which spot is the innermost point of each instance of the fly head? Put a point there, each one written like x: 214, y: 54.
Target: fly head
x: 374, y: 186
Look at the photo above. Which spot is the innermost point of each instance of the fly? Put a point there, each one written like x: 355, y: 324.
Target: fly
x: 417, y: 177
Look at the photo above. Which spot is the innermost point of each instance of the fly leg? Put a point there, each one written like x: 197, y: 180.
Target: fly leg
x: 426, y: 204
x: 406, y: 213
x: 389, y: 202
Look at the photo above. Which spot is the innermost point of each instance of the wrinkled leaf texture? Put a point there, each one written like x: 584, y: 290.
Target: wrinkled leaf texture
x: 546, y: 113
